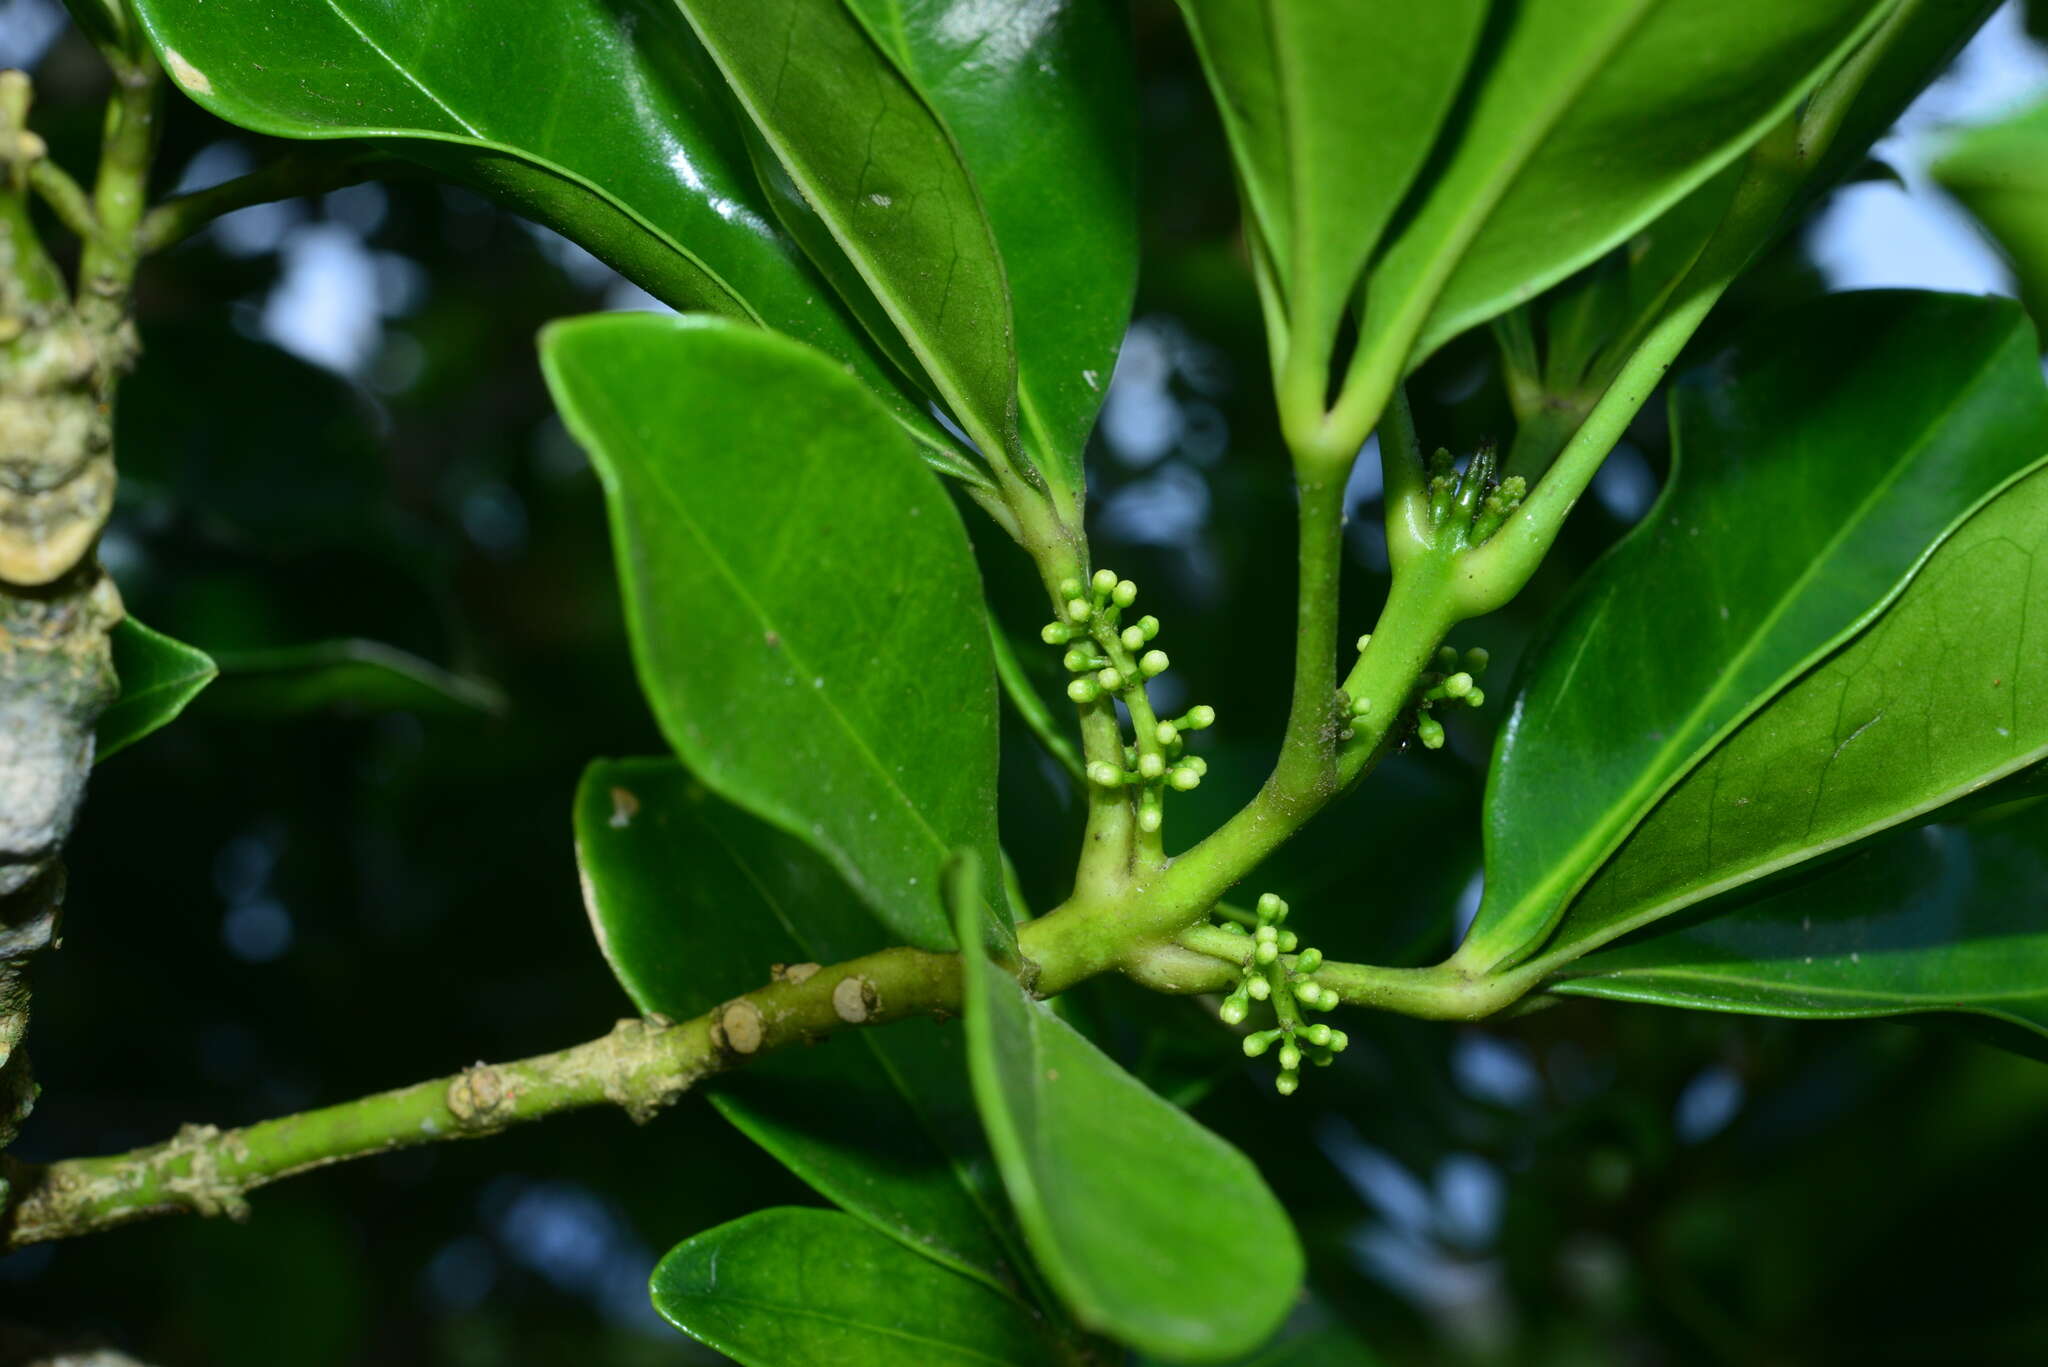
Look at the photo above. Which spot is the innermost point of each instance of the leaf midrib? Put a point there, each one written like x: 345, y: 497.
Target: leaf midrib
x: 796, y: 1310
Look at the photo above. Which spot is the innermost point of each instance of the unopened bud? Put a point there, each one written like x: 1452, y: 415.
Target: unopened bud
x: 1104, y: 581
x: 1105, y: 774
x: 1167, y: 732
x: 1184, y: 779
x: 1149, y: 625
x: 1078, y: 610
x: 1199, y: 718
x: 1151, y: 766
x: 1124, y: 594
x: 1153, y: 664
x: 1133, y: 638
x: 1287, y: 1083
x: 1084, y: 690
x: 1056, y: 633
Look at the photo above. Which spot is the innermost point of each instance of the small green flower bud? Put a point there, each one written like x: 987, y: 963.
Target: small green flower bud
x: 1133, y: 638
x: 1148, y: 819
x: 1199, y: 718
x: 1476, y: 659
x: 1430, y: 731
x: 1339, y: 1041
x: 1149, y: 625
x: 1287, y: 1083
x: 1306, y: 992
x: 1267, y: 935
x: 1259, y: 988
x: 1056, y: 633
x: 1318, y: 1035
x: 1167, y: 732
x: 1104, y: 581
x: 1322, y: 1058
x: 1109, y: 678
x: 1184, y: 779
x: 1151, y: 766
x: 1078, y: 660
x: 1266, y: 953
x: 1290, y: 1058
x: 1364, y: 641
x: 1288, y: 941
x: 1234, y: 1009
x: 1310, y: 961
x: 1458, y: 685
x: 1196, y: 763
x: 1476, y: 698
x: 1071, y: 588
x: 1105, y: 774
x: 1084, y: 690
x: 1329, y: 1001
x: 1271, y: 908
x: 1446, y: 659
x: 1259, y: 1041
x: 1124, y: 594
x: 1078, y: 610
x: 1153, y: 663
x: 1362, y: 707
x: 1233, y: 928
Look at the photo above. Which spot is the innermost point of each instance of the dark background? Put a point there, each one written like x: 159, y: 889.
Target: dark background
x: 270, y: 914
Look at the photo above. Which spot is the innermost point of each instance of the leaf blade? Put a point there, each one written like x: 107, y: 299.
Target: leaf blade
x: 793, y: 715
x: 159, y: 678
x: 1625, y: 712
x: 789, y: 1284
x: 1139, y: 1216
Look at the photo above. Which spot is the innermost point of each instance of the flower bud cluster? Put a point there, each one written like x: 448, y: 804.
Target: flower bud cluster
x: 1473, y: 504
x: 1290, y: 989
x: 1110, y: 659
x: 1452, y: 680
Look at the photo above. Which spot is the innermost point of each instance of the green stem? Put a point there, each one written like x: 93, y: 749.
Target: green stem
x: 307, y: 171
x: 106, y: 268
x: 66, y: 198
x: 1306, y: 765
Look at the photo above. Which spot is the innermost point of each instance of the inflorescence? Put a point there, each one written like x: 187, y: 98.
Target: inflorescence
x: 1474, y: 504
x: 1111, y: 660
x: 1453, y: 680
x: 1291, y: 989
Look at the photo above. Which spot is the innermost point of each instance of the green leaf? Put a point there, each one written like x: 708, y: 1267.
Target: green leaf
x: 790, y: 1285
x: 882, y: 172
x: 1935, y: 702
x: 1150, y: 1227
x: 1819, y: 463
x: 1331, y: 110
x: 2000, y: 173
x: 1039, y: 99
x: 1588, y: 119
x: 348, y: 675
x: 1939, y: 918
x: 638, y: 157
x: 692, y: 900
x: 805, y: 610
x: 158, y: 675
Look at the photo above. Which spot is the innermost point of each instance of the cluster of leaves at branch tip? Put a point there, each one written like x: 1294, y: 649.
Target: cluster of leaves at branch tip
x: 1111, y: 660
x: 1453, y: 680
x: 1290, y: 989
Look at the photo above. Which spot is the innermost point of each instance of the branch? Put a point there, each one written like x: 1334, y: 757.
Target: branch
x: 642, y: 1066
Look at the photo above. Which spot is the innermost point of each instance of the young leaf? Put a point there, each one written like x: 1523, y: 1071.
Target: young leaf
x: 2000, y: 173
x: 637, y: 156
x: 158, y: 675
x: 1819, y: 463
x: 692, y: 900
x: 805, y: 611
x: 1589, y: 119
x: 883, y: 173
x: 1936, y: 701
x: 1150, y: 1227
x: 790, y: 1285
x: 348, y: 675
x: 1941, y: 918
x: 1331, y: 110
x: 1039, y: 100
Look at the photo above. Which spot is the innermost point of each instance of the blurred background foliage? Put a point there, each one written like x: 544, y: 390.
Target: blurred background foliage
x: 338, y: 433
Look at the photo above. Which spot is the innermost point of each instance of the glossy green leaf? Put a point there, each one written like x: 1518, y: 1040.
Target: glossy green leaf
x: 805, y: 610
x: 634, y: 151
x: 2000, y: 173
x: 1936, y: 701
x: 788, y: 1286
x: 1331, y: 110
x: 883, y: 173
x: 692, y: 900
x: 1940, y: 918
x: 1039, y: 99
x: 158, y: 675
x: 1150, y: 1227
x: 350, y: 676
x: 1589, y: 118
x: 1819, y: 463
